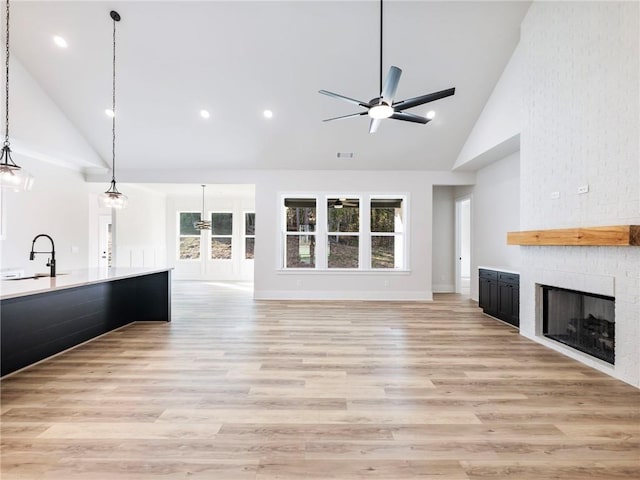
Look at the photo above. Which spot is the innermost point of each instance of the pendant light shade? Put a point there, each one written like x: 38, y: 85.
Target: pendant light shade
x: 12, y: 177
x: 112, y: 198
x: 202, y: 224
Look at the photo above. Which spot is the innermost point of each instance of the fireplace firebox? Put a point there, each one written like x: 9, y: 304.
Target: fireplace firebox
x: 583, y: 321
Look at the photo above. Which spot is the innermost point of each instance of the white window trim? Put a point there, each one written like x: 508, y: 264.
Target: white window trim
x: 404, y: 234
x: 211, y: 236
x: 365, y: 234
x: 358, y: 234
x: 179, y: 237
x: 245, y: 236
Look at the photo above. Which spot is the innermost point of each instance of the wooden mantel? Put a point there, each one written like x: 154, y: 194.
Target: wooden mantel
x: 617, y: 235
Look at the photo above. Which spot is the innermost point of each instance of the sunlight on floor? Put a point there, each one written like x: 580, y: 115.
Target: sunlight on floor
x: 244, y: 286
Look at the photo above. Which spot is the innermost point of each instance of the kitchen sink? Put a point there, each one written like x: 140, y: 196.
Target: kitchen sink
x: 34, y: 277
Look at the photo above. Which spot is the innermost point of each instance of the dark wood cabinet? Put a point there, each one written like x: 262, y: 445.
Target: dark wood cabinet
x: 36, y: 326
x: 488, y: 291
x: 499, y: 295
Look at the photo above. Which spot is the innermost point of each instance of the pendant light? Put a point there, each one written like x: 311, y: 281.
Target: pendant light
x: 112, y: 198
x: 202, y: 224
x: 12, y: 176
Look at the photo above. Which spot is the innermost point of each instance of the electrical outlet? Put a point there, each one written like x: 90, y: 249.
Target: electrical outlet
x: 386, y: 283
x: 583, y: 189
x: 555, y: 195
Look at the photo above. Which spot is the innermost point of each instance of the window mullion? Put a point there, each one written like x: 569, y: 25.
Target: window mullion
x: 322, y: 235
x: 365, y: 238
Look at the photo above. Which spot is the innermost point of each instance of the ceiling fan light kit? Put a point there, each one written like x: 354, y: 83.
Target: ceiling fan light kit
x: 384, y: 106
x: 381, y: 111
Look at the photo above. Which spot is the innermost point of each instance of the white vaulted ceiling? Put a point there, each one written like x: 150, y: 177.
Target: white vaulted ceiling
x: 236, y: 59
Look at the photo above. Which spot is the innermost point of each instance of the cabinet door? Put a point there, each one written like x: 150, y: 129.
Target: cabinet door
x: 505, y: 301
x: 515, y: 306
x: 488, y: 296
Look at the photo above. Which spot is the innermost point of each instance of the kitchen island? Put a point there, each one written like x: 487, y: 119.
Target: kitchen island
x: 40, y: 317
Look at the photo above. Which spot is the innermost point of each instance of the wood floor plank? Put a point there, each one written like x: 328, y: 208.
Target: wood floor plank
x: 234, y: 388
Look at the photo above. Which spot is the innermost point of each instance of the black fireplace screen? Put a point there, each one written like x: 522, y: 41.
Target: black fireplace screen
x: 580, y: 320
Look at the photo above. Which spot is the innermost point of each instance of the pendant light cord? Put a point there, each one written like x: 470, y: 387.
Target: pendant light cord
x: 6, y: 91
x: 113, y: 109
x: 380, y: 46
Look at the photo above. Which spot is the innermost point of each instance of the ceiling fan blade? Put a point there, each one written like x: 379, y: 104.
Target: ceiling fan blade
x: 391, y: 85
x: 342, y: 97
x: 409, y: 117
x: 374, y: 124
x: 345, y: 116
x: 414, y: 102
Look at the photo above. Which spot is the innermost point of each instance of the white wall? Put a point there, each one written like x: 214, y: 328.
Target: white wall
x: 140, y: 229
x: 495, y: 210
x: 495, y: 134
x: 40, y: 130
x: 57, y: 206
x: 416, y: 284
x: 443, y: 238
x: 236, y: 269
x: 581, y: 124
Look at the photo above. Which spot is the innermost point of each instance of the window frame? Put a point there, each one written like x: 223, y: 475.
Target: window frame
x: 285, y: 234
x: 402, y: 234
x: 365, y: 234
x: 357, y: 234
x: 180, y: 236
x: 245, y: 236
x: 211, y: 236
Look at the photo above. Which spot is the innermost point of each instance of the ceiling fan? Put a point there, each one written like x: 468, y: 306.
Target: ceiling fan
x: 342, y: 202
x: 384, y: 106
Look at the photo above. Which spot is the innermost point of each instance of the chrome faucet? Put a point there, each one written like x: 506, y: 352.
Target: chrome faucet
x: 52, y: 261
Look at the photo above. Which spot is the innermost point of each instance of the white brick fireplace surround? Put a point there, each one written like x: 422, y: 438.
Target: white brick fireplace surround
x: 580, y: 123
x: 611, y: 271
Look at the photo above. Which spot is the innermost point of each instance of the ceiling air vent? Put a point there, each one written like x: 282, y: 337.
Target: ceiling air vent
x: 345, y: 155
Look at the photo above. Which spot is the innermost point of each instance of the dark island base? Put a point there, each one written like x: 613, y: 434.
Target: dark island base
x: 34, y: 327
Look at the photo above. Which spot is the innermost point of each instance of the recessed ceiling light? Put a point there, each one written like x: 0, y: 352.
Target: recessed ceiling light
x: 59, y: 41
x: 268, y: 114
x: 431, y: 114
x: 109, y: 113
x: 204, y: 114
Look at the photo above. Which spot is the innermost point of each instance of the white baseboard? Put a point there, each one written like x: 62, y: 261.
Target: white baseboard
x: 444, y: 288
x: 342, y: 295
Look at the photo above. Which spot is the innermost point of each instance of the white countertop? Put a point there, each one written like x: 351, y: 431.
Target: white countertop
x: 501, y: 269
x: 75, y: 278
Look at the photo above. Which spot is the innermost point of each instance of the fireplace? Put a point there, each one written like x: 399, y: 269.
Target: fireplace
x: 583, y: 321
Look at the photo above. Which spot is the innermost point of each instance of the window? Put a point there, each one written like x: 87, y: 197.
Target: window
x: 221, y: 235
x: 249, y: 234
x: 349, y: 232
x: 343, y: 232
x: 300, y: 236
x: 189, y: 236
x: 387, y: 228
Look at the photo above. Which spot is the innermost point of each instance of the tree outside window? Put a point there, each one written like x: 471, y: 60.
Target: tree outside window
x: 221, y: 235
x: 387, y: 228
x: 300, y: 236
x: 249, y: 235
x: 189, y: 236
x: 343, y: 232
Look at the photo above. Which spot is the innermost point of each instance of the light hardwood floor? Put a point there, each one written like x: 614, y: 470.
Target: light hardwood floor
x: 241, y: 389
